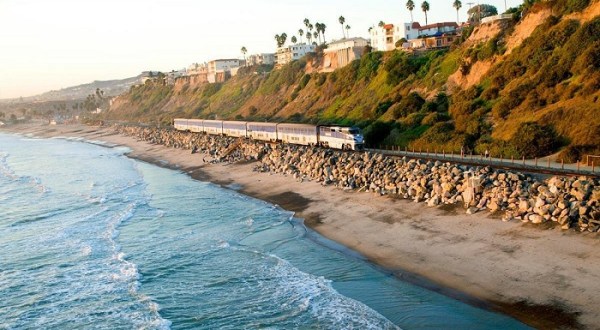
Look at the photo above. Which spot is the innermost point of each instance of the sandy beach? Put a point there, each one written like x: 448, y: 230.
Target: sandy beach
x: 547, y: 278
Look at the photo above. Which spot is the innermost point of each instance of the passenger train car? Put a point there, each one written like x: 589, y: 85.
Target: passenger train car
x: 339, y: 137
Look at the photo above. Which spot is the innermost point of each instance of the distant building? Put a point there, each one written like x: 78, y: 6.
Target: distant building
x: 197, y: 68
x: 171, y: 76
x: 220, y: 70
x: 263, y: 58
x: 437, y: 29
x: 341, y: 52
x: 384, y: 38
x: 494, y: 18
x: 290, y: 53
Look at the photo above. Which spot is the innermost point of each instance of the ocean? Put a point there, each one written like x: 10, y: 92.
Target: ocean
x: 90, y: 238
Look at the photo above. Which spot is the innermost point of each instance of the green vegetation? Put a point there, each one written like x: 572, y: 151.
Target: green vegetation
x: 541, y: 96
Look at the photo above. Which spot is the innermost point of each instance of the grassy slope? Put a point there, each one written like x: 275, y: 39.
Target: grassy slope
x: 552, y: 79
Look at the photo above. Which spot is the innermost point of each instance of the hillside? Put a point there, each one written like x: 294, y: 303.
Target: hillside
x: 109, y: 87
x: 527, y: 87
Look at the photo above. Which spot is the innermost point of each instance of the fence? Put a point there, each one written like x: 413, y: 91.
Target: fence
x: 540, y: 165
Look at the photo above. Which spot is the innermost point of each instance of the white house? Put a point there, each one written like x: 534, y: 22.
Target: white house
x: 341, y: 52
x: 263, y: 58
x: 384, y: 38
x: 219, y: 70
x: 290, y: 53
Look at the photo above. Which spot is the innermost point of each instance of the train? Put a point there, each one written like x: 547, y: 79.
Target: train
x: 330, y: 136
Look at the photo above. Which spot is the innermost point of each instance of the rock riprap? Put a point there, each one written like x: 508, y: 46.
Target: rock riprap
x: 570, y: 202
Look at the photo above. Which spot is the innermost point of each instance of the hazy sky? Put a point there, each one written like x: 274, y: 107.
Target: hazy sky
x: 51, y: 44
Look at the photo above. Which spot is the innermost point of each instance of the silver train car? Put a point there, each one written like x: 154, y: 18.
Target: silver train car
x: 338, y: 137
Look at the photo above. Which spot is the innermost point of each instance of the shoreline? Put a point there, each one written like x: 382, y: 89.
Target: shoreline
x: 510, y: 268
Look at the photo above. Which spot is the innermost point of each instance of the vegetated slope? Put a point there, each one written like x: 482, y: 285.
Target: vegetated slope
x: 517, y: 88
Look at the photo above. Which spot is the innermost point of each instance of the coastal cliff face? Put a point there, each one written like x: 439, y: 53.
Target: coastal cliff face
x: 539, y: 75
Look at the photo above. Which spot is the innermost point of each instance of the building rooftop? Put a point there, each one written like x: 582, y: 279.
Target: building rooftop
x: 438, y: 25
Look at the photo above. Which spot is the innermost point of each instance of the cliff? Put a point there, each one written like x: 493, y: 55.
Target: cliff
x: 523, y: 87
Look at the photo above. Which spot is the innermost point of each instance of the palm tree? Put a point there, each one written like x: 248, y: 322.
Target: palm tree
x: 318, y: 30
x: 244, y: 51
x: 294, y: 40
x: 347, y: 31
x: 457, y: 4
x: 342, y: 20
x: 381, y: 24
x: 277, y: 38
x: 410, y: 5
x: 370, y: 29
x: 425, y: 9
x: 316, y: 35
x: 309, y: 37
x: 283, y: 38
x: 306, y: 22
x: 301, y: 33
x: 323, y: 27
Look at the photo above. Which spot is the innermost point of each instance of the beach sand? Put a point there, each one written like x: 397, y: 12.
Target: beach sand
x: 546, y: 277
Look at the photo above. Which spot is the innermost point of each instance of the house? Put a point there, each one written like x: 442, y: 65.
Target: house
x: 290, y: 53
x: 341, y: 52
x: 259, y: 59
x: 220, y: 70
x: 171, y: 76
x: 437, y: 29
x: 384, y: 38
x: 197, y: 68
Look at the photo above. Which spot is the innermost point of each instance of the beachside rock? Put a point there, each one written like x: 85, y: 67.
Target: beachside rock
x: 536, y: 218
x: 472, y: 210
x: 572, y: 202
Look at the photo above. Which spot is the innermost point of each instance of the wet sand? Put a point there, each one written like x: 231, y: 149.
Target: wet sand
x: 547, y: 278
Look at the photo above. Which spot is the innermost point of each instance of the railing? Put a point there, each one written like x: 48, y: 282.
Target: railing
x: 538, y: 165
x: 495, y: 18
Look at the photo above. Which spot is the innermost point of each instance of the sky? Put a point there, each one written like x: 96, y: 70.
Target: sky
x: 52, y: 44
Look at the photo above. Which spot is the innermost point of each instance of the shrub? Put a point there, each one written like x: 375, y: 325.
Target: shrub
x: 534, y: 140
x: 376, y: 132
x: 434, y: 118
x: 412, y: 120
x: 382, y: 108
x: 413, y: 102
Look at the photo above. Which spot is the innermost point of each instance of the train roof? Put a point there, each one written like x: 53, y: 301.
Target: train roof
x: 296, y: 125
x: 234, y: 122
x: 262, y: 123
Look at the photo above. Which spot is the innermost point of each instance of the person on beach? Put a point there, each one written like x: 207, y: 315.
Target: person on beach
x: 487, y: 153
x: 462, y: 152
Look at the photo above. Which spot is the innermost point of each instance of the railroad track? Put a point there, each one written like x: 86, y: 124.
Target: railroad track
x: 518, y: 165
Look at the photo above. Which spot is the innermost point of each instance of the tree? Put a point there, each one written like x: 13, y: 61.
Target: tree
x: 410, y: 5
x: 425, y: 9
x: 323, y: 27
x: 309, y: 37
x: 281, y: 39
x: 457, y: 4
x: 244, y: 51
x: 381, y: 24
x: 316, y: 35
x: 342, y: 20
x: 306, y: 22
x: 294, y: 40
x: 478, y: 12
x: 348, y: 31
x: 300, y: 33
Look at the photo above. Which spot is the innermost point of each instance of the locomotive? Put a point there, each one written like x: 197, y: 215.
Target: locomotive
x: 331, y: 136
